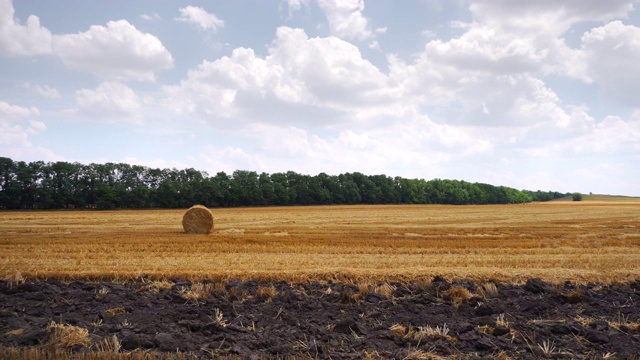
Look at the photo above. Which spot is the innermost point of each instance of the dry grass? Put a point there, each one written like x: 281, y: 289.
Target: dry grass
x: 421, y: 332
x: 218, y: 318
x: 198, y: 291
x: 457, y: 295
x: 156, y: 286
x: 14, y: 332
x: 488, y: 290
x: 573, y: 296
x: 266, y: 292
x: 578, y: 241
x: 116, y: 310
x: 622, y: 320
x: 385, y: 289
x: 11, y: 353
x: 13, y: 279
x: 501, y: 321
x: 109, y: 345
x: 415, y: 354
x: 63, y: 336
x: 398, y: 329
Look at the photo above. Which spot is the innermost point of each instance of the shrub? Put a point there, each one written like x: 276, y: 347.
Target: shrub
x: 576, y: 197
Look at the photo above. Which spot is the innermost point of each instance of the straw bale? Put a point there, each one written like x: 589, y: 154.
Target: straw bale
x: 198, y: 220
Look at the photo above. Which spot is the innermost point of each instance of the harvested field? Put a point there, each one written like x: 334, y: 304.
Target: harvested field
x: 346, y: 282
x: 553, y: 241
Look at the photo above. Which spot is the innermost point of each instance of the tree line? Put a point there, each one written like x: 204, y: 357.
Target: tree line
x: 64, y: 185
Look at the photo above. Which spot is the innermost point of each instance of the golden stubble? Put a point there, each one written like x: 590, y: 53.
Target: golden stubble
x: 554, y: 241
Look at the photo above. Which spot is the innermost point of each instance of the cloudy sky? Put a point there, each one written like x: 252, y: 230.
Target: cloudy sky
x: 530, y: 94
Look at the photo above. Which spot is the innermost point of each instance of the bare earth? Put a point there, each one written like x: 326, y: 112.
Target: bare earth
x: 331, y: 320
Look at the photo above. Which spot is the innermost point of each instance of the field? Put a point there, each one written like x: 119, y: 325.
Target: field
x: 535, y: 281
x: 603, y: 198
x: 558, y: 241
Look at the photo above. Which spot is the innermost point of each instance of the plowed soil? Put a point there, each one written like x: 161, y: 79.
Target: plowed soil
x: 326, y: 320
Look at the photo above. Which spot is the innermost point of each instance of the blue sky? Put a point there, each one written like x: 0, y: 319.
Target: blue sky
x: 533, y: 95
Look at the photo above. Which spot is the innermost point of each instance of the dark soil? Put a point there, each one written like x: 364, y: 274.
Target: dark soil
x: 333, y: 320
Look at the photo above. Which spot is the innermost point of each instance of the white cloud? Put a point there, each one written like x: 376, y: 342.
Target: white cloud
x: 381, y: 30
x: 16, y: 128
x: 546, y: 16
x: 429, y: 34
x: 483, y: 48
x: 228, y: 159
x: 296, y: 5
x: 345, y: 18
x: 151, y: 17
x: 612, y: 57
x: 200, y: 17
x: 110, y: 100
x: 10, y: 112
x: 530, y: 34
x: 492, y: 74
x: 18, y: 39
x: 410, y: 144
x: 612, y: 135
x: 45, y: 91
x: 117, y: 51
x: 302, y: 80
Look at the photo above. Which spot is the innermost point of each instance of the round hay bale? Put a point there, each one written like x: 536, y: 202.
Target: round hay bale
x: 198, y: 220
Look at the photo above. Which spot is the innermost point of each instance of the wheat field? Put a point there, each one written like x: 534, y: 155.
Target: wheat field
x: 588, y: 241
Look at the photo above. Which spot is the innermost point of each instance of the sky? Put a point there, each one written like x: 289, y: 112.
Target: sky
x: 536, y: 95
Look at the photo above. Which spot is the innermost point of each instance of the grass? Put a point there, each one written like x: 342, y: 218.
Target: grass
x: 63, y: 336
x: 198, y: 291
x: 458, y: 295
x: 578, y: 241
x: 602, y: 198
x: 420, y: 333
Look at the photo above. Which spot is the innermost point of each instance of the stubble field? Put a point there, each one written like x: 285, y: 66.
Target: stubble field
x: 535, y: 281
x: 553, y: 241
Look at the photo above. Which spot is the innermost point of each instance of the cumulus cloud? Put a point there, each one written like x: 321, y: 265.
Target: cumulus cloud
x: 10, y: 112
x: 200, y: 17
x: 294, y: 6
x: 548, y: 16
x: 16, y: 128
x: 327, y: 76
x: 483, y: 48
x: 117, y: 51
x: 612, y: 58
x: 532, y: 32
x: 345, y: 19
x: 18, y: 39
x: 110, y: 100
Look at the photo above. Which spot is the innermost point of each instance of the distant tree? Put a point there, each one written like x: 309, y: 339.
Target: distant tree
x: 63, y: 185
x: 576, y: 197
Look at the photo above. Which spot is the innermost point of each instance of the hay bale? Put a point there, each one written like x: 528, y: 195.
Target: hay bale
x: 198, y: 220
